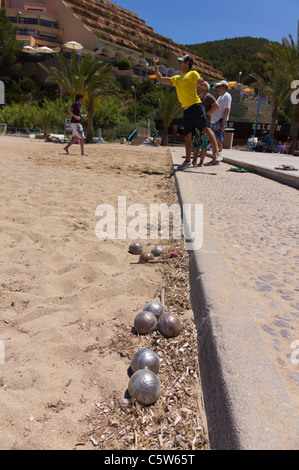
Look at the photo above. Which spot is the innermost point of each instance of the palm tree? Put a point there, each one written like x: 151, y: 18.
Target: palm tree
x: 284, y: 58
x: 169, y: 108
x: 91, y: 78
x: 276, y: 88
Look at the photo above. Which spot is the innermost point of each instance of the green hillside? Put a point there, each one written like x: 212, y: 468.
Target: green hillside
x: 231, y: 56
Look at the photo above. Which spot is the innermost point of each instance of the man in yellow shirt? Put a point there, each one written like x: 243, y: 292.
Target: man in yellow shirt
x: 194, y: 115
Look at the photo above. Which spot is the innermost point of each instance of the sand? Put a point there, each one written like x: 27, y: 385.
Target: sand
x: 65, y: 293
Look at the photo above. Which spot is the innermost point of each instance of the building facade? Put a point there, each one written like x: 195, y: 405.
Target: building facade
x: 105, y: 29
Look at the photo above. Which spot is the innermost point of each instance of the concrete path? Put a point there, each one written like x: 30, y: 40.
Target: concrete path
x: 244, y: 291
x: 265, y: 164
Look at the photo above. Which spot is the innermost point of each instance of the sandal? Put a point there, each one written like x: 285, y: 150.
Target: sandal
x: 286, y: 168
x: 238, y: 170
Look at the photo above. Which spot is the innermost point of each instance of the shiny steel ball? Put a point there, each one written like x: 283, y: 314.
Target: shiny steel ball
x: 155, y: 307
x: 157, y: 250
x: 146, y: 256
x: 146, y: 359
x: 145, y: 323
x: 145, y: 387
x: 169, y: 325
x: 135, y: 248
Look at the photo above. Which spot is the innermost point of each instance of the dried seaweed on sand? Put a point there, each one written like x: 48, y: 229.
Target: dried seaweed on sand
x: 176, y: 421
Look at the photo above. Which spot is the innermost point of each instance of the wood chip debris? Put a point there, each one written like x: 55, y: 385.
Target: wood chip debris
x: 176, y: 421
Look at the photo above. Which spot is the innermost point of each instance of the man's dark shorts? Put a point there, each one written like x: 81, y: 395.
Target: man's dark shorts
x: 195, y: 118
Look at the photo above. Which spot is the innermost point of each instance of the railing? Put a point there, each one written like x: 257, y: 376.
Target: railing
x: 17, y: 131
x: 132, y: 135
x: 49, y: 39
x: 110, y: 137
x: 24, y: 132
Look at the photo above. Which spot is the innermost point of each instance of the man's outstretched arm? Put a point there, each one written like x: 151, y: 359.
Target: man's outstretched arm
x: 161, y: 79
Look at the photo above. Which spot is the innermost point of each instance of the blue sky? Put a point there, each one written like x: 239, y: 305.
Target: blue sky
x: 191, y: 22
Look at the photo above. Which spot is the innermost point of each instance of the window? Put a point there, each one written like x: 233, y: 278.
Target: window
x: 48, y: 24
x: 26, y: 32
x: 30, y: 21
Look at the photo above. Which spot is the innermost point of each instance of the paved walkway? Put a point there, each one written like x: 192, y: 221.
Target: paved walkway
x: 244, y: 288
x: 265, y: 164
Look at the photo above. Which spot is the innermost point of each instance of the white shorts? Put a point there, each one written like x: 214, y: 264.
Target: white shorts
x: 78, y: 131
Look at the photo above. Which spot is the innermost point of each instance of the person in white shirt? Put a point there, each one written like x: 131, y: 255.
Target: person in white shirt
x: 220, y: 117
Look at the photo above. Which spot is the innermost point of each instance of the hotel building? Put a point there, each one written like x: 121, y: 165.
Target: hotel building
x: 107, y: 30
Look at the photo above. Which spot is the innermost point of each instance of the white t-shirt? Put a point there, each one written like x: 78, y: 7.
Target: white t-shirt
x: 224, y: 101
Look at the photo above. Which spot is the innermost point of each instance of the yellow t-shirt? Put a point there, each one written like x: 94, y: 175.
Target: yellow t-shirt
x: 186, y: 87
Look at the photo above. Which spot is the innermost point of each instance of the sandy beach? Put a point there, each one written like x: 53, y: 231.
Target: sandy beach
x: 65, y: 294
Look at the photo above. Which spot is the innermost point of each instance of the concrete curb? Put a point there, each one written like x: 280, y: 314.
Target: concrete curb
x: 246, y: 404
x: 284, y: 177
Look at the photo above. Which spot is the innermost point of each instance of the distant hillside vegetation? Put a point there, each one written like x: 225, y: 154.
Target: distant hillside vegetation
x: 231, y: 56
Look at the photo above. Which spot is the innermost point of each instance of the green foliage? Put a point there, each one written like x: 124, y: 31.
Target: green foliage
x: 169, y: 105
x: 27, y: 89
x: 9, y: 47
x: 169, y: 109
x: 124, y: 64
x: 90, y: 77
x: 231, y: 56
x: 284, y: 59
x: 126, y: 127
x: 49, y: 116
x: 147, y: 102
x: 284, y: 119
x: 108, y: 113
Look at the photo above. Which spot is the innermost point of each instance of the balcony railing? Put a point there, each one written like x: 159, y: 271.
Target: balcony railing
x: 49, y: 39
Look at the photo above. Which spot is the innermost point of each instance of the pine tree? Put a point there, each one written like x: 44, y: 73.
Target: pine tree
x: 9, y: 46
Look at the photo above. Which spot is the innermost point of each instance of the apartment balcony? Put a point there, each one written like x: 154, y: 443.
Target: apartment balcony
x: 40, y: 27
x: 31, y: 38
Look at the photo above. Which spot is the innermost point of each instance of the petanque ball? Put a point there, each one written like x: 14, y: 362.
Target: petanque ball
x: 146, y: 256
x: 169, y: 325
x: 157, y: 250
x: 146, y: 359
x: 135, y: 248
x: 155, y: 307
x: 145, y: 323
x: 145, y: 387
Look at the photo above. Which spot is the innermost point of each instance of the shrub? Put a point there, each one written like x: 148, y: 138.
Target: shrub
x: 124, y: 64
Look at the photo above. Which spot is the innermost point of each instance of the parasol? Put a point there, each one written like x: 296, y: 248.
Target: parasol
x: 73, y: 45
x: 45, y: 50
x: 29, y: 50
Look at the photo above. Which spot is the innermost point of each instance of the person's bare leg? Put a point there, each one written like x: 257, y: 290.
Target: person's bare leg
x: 195, y: 156
x: 213, y: 142
x: 82, y: 146
x: 73, y: 141
x: 203, y: 154
x: 188, y: 143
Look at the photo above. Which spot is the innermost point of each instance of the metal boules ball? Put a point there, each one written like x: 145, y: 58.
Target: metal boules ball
x: 146, y: 359
x: 146, y: 256
x: 135, y: 248
x: 169, y: 325
x: 155, y: 307
x: 145, y: 387
x: 157, y: 250
x: 145, y: 323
